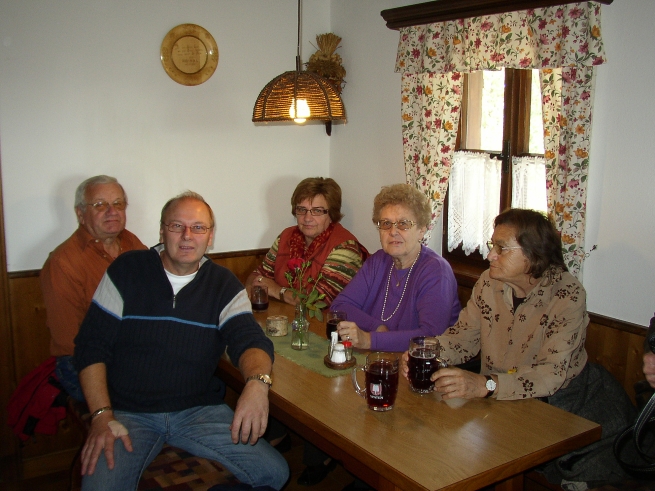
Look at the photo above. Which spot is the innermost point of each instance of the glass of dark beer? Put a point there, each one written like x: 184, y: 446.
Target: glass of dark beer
x: 423, y: 362
x: 332, y: 320
x: 381, y: 377
x: 259, y: 298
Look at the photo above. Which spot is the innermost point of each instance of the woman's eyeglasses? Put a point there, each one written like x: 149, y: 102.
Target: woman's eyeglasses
x: 315, y: 212
x: 498, y: 249
x: 400, y: 224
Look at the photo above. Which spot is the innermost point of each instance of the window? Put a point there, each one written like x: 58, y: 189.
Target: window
x: 498, y: 164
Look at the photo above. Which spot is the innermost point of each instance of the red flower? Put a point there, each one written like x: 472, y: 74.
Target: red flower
x: 294, y: 263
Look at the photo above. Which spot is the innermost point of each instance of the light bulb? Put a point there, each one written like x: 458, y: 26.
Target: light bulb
x: 303, y: 111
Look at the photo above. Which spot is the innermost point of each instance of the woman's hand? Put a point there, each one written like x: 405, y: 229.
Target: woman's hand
x: 404, y: 364
x: 348, y: 331
x: 455, y: 382
x: 273, y: 288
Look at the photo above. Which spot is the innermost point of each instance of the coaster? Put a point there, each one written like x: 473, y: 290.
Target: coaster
x: 339, y: 366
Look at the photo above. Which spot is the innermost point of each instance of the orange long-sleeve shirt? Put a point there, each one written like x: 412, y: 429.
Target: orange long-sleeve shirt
x: 69, y: 279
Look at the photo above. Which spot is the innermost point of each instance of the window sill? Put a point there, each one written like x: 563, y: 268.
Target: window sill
x: 466, y: 272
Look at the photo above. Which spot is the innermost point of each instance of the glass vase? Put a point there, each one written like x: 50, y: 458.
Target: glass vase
x: 299, y: 329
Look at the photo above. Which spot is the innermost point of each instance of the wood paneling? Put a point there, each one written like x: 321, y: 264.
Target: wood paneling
x: 7, y: 374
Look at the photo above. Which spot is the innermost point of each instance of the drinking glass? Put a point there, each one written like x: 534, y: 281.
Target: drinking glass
x: 381, y: 376
x: 333, y: 318
x: 423, y: 362
x: 259, y: 298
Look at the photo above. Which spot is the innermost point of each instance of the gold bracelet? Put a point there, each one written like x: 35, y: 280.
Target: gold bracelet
x: 100, y: 411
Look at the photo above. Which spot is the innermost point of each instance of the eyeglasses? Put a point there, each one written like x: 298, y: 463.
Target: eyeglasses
x: 498, y: 249
x: 178, y: 228
x: 102, y: 206
x: 400, y: 224
x: 315, y: 212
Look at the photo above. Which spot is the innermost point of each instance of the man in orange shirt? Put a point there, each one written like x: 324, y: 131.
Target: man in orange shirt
x: 72, y: 272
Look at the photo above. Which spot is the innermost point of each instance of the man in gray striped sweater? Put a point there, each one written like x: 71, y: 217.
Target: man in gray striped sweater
x: 147, y: 351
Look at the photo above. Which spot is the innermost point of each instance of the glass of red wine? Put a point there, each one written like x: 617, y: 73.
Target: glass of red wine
x: 259, y: 298
x: 333, y: 317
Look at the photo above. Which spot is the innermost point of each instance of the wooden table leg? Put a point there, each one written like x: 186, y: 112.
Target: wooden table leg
x: 514, y: 483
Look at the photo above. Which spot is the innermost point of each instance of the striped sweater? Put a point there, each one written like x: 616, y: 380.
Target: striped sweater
x: 160, y: 349
x: 337, y: 260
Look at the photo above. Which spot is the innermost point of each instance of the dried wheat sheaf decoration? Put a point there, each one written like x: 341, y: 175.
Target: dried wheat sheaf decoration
x: 326, y: 63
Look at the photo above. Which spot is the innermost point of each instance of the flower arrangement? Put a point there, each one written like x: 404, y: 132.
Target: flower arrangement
x: 312, y: 300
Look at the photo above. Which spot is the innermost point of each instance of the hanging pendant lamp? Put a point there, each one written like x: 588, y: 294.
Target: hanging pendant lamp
x: 299, y: 96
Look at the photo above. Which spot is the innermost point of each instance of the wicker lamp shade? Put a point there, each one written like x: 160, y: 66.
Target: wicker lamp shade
x: 279, y: 95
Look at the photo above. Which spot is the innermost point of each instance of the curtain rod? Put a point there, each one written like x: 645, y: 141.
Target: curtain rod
x: 444, y: 10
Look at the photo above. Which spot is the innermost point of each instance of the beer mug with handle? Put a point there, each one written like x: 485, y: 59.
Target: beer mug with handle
x: 381, y: 380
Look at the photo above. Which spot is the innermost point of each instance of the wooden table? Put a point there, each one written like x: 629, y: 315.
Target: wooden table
x: 422, y: 443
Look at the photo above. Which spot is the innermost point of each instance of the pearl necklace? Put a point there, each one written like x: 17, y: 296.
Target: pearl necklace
x: 386, y: 293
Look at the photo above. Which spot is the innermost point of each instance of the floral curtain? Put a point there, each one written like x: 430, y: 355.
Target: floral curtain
x: 430, y: 113
x: 567, y: 36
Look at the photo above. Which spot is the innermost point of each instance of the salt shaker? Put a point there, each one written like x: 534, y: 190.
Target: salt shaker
x: 338, y: 354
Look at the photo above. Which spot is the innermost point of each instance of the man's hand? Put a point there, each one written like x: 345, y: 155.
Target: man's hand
x: 251, y: 414
x: 649, y: 368
x: 101, y: 438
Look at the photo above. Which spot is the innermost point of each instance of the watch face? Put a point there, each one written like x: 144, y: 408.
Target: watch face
x: 491, y: 385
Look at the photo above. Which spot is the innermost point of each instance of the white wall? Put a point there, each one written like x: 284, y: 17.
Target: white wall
x: 620, y: 275
x: 82, y: 92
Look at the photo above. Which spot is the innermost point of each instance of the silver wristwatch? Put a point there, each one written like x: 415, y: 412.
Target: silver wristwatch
x: 282, y: 291
x: 262, y: 377
x: 490, y: 385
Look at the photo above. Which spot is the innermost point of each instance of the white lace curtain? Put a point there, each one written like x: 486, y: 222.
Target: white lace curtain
x: 529, y: 183
x: 475, y: 196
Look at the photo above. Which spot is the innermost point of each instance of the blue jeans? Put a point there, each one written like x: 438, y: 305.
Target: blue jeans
x: 67, y: 376
x: 203, y: 431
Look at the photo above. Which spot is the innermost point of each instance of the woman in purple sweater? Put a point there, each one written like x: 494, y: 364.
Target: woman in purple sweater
x: 403, y: 290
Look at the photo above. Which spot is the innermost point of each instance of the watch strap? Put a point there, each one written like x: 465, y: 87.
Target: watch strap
x: 493, y: 384
x: 262, y: 377
x: 282, y: 292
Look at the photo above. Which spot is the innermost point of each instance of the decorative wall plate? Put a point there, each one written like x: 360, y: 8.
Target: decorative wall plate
x: 189, y: 54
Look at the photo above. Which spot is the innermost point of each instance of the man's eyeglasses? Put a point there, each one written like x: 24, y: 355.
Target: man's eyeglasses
x: 315, y: 212
x: 400, y: 224
x: 498, y: 249
x: 178, y: 228
x: 102, y: 206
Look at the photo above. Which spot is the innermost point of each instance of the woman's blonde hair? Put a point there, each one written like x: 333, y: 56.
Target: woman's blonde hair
x: 406, y: 195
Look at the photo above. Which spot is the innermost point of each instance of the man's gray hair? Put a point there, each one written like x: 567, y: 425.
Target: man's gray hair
x: 80, y: 192
x: 182, y: 196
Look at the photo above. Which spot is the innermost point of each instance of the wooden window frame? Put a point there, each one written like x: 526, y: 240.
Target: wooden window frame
x: 516, y: 142
x: 444, y: 10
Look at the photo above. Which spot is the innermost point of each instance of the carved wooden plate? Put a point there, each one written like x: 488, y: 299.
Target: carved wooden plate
x: 189, y: 54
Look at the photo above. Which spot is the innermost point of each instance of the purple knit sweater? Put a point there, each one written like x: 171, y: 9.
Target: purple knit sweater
x: 429, y: 307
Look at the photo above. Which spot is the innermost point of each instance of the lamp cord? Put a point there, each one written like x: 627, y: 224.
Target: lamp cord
x: 298, y: 45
